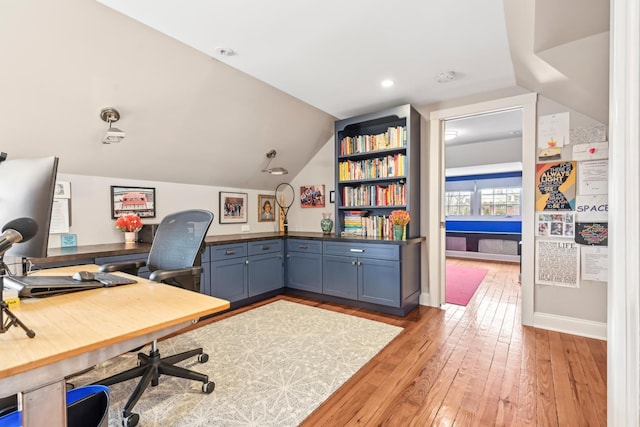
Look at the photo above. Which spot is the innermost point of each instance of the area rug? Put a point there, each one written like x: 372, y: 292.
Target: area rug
x: 462, y: 283
x: 272, y: 365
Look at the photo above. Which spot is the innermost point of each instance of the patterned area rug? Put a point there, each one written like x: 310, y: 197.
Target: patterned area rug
x: 272, y: 365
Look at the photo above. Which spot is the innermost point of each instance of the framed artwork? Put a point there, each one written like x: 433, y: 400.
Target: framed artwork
x: 140, y: 201
x: 312, y: 196
x: 332, y: 196
x: 266, y: 207
x: 233, y: 208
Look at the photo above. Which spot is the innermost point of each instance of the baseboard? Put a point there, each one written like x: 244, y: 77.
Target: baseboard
x: 570, y: 325
x: 483, y: 256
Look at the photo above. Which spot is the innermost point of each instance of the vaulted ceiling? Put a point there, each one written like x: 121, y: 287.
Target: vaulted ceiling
x: 194, y: 116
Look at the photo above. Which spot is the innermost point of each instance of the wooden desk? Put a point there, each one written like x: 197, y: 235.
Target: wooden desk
x: 78, y: 330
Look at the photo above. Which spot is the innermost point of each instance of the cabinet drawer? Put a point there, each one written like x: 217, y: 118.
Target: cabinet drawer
x: 299, y: 245
x: 232, y: 250
x: 362, y: 250
x: 265, y: 247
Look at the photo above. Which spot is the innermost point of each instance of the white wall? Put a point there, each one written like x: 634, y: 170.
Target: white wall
x: 484, y: 153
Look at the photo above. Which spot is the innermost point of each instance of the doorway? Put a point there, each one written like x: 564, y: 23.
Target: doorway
x: 482, y: 199
x: 434, y: 203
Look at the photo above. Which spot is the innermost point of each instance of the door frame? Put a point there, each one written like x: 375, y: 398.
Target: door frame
x: 435, y: 201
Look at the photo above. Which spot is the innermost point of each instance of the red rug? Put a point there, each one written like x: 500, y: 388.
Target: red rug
x: 462, y: 283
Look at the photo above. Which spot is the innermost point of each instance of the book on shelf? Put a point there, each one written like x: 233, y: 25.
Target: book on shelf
x: 393, y: 194
x: 379, y: 167
x: 394, y: 137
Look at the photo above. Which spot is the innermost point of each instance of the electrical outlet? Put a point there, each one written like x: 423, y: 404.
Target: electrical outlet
x: 245, y: 228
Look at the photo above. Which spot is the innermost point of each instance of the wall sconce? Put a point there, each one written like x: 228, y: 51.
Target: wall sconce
x: 276, y: 170
x: 111, y: 115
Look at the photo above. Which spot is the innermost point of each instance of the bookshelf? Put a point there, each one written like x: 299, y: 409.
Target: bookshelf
x: 377, y: 171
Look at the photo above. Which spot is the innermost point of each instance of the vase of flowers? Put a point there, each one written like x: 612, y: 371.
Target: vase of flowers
x: 130, y: 225
x: 400, y: 219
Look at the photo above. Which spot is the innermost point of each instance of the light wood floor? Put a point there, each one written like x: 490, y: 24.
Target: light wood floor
x: 472, y: 366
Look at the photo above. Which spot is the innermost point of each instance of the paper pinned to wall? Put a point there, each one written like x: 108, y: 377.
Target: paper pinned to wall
x: 553, y: 131
x: 557, y: 263
x: 592, y: 208
x: 593, y: 177
x: 591, y: 151
x: 59, y: 216
x: 595, y: 263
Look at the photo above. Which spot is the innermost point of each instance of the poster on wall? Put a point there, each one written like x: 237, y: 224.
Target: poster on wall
x: 555, y: 224
x: 592, y: 208
x: 594, y: 261
x: 556, y: 186
x: 557, y: 263
x: 592, y: 233
x: 594, y: 177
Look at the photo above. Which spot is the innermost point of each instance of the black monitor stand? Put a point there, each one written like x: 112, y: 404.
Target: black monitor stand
x: 11, y: 320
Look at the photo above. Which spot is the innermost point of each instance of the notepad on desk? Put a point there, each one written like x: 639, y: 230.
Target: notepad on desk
x: 40, y: 286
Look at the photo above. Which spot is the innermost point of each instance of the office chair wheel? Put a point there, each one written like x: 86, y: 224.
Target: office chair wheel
x: 131, y: 420
x: 203, y: 358
x: 208, y: 387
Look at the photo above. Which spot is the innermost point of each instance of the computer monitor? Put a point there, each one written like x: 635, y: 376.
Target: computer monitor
x: 26, y: 191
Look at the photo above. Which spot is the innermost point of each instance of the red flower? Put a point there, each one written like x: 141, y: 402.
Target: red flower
x: 129, y: 223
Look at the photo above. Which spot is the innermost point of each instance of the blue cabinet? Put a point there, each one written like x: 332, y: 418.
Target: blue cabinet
x: 266, y: 266
x: 242, y: 270
x: 365, y: 272
x: 304, y: 265
x: 229, y: 272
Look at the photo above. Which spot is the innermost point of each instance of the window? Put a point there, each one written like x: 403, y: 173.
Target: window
x: 458, y: 203
x: 500, y: 202
x: 486, y: 197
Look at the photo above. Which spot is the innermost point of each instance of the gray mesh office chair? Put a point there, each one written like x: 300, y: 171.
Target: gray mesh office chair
x: 174, y: 259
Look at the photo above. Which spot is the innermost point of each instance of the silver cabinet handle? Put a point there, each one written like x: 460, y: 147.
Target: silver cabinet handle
x: 246, y: 261
x: 288, y: 256
x: 229, y: 252
x: 354, y: 262
x: 357, y: 250
x: 266, y: 248
x: 303, y: 246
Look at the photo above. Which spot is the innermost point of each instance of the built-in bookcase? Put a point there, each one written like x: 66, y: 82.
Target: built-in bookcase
x: 377, y: 171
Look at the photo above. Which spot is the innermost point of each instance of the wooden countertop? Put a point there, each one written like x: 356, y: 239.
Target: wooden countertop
x: 114, y: 249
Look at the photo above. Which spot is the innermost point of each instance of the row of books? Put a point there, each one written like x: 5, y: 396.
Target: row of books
x: 355, y: 224
x: 375, y: 195
x: 381, y: 167
x: 394, y: 137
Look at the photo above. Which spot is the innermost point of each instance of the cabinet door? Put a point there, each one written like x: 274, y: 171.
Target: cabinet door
x: 266, y: 273
x: 304, y: 271
x: 379, y: 281
x: 340, y: 276
x: 229, y: 279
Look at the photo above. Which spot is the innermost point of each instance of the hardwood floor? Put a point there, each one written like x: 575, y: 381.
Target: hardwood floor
x: 471, y: 366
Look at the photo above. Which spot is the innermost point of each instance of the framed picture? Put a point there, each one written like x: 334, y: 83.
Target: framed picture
x: 332, y: 196
x: 140, y: 201
x: 233, y: 208
x: 312, y: 196
x: 266, y: 207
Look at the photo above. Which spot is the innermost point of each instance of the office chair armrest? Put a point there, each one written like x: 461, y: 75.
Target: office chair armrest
x: 130, y: 267
x: 160, y: 275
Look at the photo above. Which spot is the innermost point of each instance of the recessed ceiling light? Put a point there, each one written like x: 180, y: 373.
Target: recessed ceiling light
x: 445, y: 76
x: 387, y: 83
x: 225, y: 51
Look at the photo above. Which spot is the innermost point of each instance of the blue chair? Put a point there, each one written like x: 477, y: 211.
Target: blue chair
x: 86, y: 407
